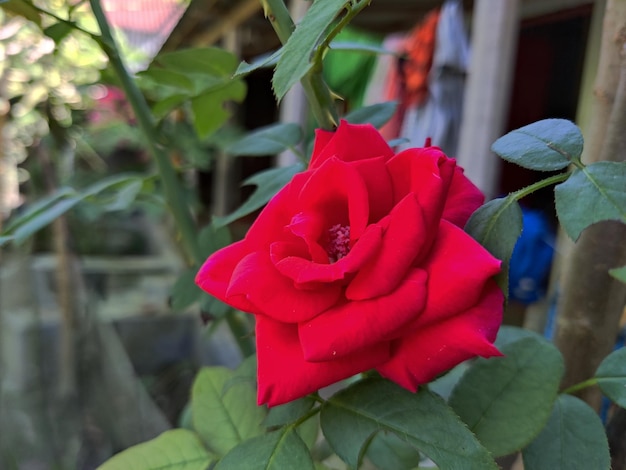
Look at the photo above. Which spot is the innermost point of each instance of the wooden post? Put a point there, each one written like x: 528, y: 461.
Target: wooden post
x: 495, y: 28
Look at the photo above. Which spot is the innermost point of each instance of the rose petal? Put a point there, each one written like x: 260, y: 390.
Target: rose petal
x: 303, y: 271
x: 353, y: 326
x: 270, y: 225
x: 337, y: 194
x: 427, y: 172
x: 215, y: 275
x: 379, y: 188
x: 351, y: 142
x: 458, y: 268
x: 403, y: 240
x: 422, y: 355
x: 284, y: 375
x: 274, y: 295
x: 463, y: 199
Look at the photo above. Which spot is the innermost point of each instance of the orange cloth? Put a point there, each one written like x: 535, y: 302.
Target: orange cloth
x: 407, y: 79
x: 420, y: 49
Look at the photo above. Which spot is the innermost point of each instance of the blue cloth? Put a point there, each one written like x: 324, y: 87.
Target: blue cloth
x: 532, y: 258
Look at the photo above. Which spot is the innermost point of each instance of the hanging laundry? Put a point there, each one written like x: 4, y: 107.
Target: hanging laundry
x: 405, y: 75
x: 386, y: 83
x: 436, y: 108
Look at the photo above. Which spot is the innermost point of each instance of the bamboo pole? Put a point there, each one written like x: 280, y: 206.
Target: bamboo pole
x: 593, y: 302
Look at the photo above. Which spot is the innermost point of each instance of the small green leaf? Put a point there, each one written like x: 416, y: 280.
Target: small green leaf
x: 591, y: 195
x: 389, y: 452
x: 58, y: 31
x: 506, y: 401
x: 44, y: 218
x: 573, y: 439
x: 268, y: 140
x: 23, y: 9
x: 279, y: 450
x: 125, y: 195
x: 551, y: 144
x: 208, y: 109
x: 268, y: 183
x: 295, y: 60
x: 289, y: 412
x: 185, y: 291
x: 268, y: 60
x: 224, y: 418
x: 611, y: 375
x: 39, y: 206
x: 619, y: 273
x: 376, y: 114
x: 174, y: 79
x: 178, y: 449
x: 199, y: 61
x: 350, y: 419
x: 497, y: 225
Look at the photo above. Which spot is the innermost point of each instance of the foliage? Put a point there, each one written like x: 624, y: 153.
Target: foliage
x: 496, y: 406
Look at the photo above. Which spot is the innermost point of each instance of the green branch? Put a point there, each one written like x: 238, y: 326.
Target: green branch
x: 172, y: 188
x: 581, y: 385
x: 544, y: 183
x: 318, y: 94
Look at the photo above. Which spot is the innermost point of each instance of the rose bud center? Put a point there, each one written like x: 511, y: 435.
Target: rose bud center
x: 338, y: 244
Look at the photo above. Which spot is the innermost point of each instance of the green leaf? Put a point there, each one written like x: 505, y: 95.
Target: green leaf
x: 109, y: 183
x: 212, y: 238
x: 178, y: 449
x: 279, y: 450
x: 58, y: 31
x: 125, y: 195
x: 213, y: 306
x: 618, y: 273
x: 376, y: 114
x: 389, y: 452
x: 37, y: 207
x: 295, y: 61
x: 268, y: 183
x: 573, y: 439
x: 497, y: 225
x: 551, y: 144
x: 360, y: 47
x: 185, y: 291
x: 289, y: 412
x: 23, y: 9
x: 208, y: 109
x: 509, y: 334
x: 611, y: 375
x: 268, y: 60
x: 200, y: 61
x: 165, y: 105
x: 350, y: 418
x: 268, y: 140
x: 507, y: 400
x: 44, y: 218
x: 591, y: 195
x: 178, y: 81
x: 222, y: 418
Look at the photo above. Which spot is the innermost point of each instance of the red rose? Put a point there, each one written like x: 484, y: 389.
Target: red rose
x: 360, y: 263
